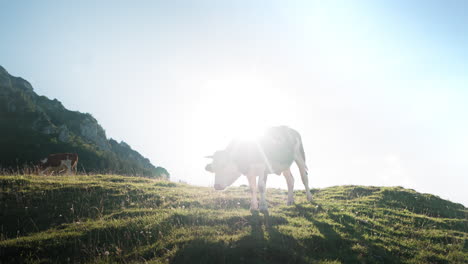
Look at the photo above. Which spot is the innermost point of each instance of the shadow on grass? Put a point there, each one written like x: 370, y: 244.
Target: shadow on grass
x: 351, y: 244
x: 256, y: 247
x: 267, y: 243
x: 264, y: 244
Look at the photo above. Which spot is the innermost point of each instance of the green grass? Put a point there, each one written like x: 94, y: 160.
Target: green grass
x: 110, y: 218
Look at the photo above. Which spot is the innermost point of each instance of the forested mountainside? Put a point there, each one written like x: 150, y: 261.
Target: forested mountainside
x: 33, y: 126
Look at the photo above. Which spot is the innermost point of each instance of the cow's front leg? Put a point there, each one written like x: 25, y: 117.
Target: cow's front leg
x: 45, y: 172
x: 290, y: 181
x: 262, y: 189
x: 253, y: 190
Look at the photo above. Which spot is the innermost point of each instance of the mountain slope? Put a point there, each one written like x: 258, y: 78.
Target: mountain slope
x: 96, y: 219
x: 34, y: 126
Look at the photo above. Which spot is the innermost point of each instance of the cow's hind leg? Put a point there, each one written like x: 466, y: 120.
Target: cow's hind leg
x: 305, y: 178
x: 67, y: 166
x: 290, y: 181
x: 262, y: 189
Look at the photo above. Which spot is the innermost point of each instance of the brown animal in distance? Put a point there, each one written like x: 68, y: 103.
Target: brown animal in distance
x: 58, y: 163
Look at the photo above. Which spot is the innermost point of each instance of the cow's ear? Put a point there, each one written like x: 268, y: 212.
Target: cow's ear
x: 209, y: 168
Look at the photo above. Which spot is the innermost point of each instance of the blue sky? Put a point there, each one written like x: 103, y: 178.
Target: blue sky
x: 378, y: 89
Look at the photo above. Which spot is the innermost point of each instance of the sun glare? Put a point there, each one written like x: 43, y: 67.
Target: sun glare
x: 241, y: 108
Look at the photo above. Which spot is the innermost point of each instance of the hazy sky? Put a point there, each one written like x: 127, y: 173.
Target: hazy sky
x: 378, y: 89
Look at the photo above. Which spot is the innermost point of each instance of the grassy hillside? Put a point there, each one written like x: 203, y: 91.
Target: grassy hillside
x: 102, y: 219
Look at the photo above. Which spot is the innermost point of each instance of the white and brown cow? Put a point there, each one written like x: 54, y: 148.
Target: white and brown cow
x: 58, y: 163
x: 274, y: 152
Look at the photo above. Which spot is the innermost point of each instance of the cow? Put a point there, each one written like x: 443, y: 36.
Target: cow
x: 58, y: 163
x: 272, y: 153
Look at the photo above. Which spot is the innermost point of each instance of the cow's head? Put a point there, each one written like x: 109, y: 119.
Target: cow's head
x: 224, y: 168
x: 44, y: 160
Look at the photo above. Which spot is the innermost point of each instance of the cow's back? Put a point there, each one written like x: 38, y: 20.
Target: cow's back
x: 278, y: 144
x: 55, y: 160
x: 275, y: 149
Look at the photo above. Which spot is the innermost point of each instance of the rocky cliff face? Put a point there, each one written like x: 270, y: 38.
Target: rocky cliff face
x: 34, y: 126
x: 93, y: 132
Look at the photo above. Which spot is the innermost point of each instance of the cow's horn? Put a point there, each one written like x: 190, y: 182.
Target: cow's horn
x: 209, y: 157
